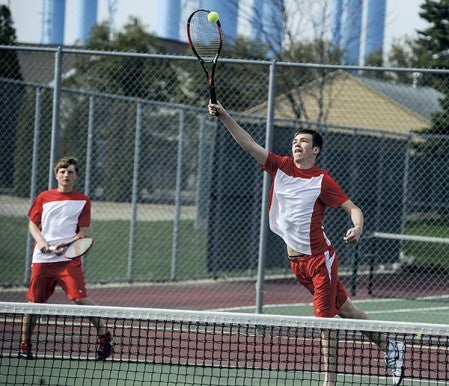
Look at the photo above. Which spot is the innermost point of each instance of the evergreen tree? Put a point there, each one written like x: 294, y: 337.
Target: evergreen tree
x: 434, y: 43
x: 11, y: 97
x: 434, y: 40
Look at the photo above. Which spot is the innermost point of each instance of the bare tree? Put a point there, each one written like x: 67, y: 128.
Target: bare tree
x: 305, y: 37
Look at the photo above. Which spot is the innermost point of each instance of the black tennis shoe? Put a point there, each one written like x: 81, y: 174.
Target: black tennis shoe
x: 105, y: 346
x: 25, y: 350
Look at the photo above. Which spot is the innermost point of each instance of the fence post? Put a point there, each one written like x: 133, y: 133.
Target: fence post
x: 177, y: 196
x: 260, y: 284
x: 55, y: 126
x: 34, y: 166
x: 89, y: 146
x: 134, y: 195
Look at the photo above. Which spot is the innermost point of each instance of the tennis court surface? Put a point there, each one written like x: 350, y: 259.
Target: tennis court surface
x: 180, y: 347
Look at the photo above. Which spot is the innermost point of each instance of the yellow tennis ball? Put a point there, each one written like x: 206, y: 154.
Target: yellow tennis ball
x: 213, y: 17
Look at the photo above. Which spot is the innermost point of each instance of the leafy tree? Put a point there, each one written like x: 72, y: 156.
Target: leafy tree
x: 24, y: 144
x: 121, y: 79
x: 402, y: 54
x: 125, y: 75
x: 246, y: 48
x: 238, y: 85
x: 11, y: 97
x: 375, y: 59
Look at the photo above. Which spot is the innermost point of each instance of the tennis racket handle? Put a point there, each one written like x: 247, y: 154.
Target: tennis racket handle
x: 213, y: 95
x: 57, y: 250
x: 59, y: 247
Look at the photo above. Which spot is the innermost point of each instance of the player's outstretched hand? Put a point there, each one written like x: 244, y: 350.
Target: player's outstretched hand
x: 215, y: 109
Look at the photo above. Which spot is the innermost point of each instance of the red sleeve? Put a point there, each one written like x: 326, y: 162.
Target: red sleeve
x: 35, y: 212
x: 273, y: 163
x: 333, y: 195
x: 84, y: 219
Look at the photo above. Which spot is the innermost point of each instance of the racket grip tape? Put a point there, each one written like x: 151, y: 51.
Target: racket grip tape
x: 213, y: 95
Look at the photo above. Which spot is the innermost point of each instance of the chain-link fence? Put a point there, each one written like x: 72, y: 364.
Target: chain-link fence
x: 179, y: 210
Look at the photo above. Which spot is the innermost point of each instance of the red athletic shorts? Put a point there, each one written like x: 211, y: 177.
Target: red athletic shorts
x: 319, y: 274
x: 45, y: 276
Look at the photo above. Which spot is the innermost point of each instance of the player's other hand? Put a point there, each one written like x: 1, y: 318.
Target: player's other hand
x: 352, y: 235
x: 59, y: 249
x: 43, y: 247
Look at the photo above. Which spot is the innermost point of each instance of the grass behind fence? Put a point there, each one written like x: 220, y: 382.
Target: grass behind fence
x: 429, y: 254
x: 108, y: 261
x: 153, y: 252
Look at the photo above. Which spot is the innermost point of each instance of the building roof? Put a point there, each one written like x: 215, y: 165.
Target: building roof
x: 39, y: 66
x: 357, y: 101
x: 421, y: 100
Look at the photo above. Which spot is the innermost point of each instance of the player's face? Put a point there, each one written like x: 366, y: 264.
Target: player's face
x: 66, y: 177
x: 302, y: 148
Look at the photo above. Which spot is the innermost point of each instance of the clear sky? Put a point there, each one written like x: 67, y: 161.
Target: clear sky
x: 401, y: 17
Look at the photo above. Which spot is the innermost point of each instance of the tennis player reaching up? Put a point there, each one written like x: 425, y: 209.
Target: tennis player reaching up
x: 300, y: 193
x: 58, y: 216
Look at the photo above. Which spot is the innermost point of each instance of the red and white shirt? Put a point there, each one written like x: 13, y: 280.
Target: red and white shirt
x: 59, y: 217
x: 298, y: 199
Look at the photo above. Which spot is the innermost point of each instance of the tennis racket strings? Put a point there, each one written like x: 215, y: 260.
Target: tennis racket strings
x: 78, y: 247
x: 205, y: 36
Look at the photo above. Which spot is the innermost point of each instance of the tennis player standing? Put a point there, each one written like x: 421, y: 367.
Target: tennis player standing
x: 58, y: 216
x: 300, y: 193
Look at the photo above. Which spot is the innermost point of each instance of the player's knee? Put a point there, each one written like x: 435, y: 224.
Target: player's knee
x: 84, y: 302
x: 347, y: 310
x: 350, y: 311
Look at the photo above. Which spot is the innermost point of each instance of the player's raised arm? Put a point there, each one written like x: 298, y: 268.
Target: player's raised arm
x: 240, y: 135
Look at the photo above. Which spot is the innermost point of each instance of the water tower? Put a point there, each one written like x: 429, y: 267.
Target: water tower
x: 85, y: 19
x: 375, y: 26
x: 52, y: 27
x: 347, y: 16
x: 267, y: 23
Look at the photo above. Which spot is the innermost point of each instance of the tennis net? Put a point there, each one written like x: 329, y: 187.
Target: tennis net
x: 179, y: 347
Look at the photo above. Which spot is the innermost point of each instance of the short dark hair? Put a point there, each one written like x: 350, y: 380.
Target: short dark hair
x: 65, y: 162
x: 317, y: 139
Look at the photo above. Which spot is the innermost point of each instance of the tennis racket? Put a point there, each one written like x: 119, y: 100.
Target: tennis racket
x: 74, y: 248
x: 205, y: 39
